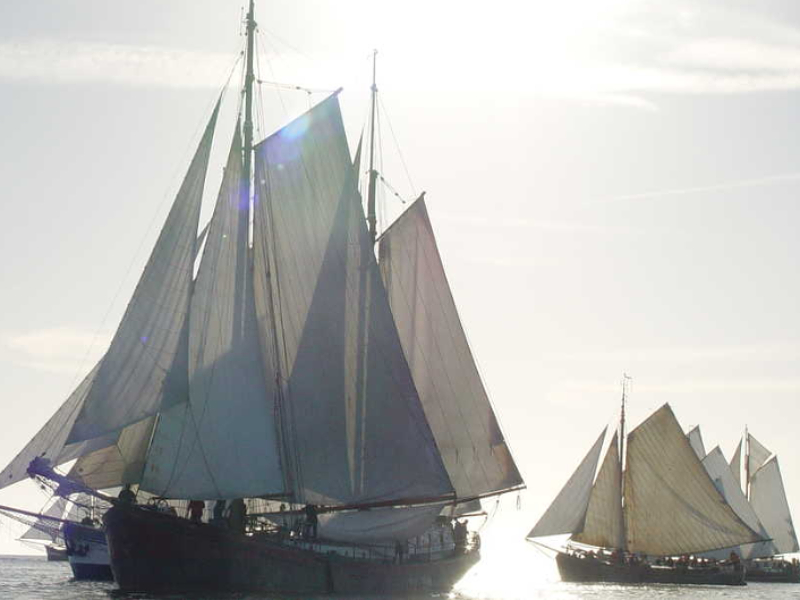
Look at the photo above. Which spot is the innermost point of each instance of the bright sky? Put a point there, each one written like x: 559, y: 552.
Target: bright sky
x: 614, y: 185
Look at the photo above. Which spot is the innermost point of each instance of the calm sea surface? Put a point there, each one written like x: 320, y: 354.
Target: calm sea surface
x: 517, y: 576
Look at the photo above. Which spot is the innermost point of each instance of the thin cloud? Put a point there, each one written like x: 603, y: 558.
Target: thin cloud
x: 730, y: 185
x: 57, y: 350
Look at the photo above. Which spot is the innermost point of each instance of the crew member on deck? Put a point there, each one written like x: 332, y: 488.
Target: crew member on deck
x: 195, y: 511
x: 126, y: 495
x: 311, y: 520
x: 237, y: 513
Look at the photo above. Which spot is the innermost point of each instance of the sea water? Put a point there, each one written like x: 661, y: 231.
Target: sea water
x: 521, y: 573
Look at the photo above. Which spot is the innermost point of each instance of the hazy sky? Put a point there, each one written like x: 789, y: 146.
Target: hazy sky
x: 614, y: 185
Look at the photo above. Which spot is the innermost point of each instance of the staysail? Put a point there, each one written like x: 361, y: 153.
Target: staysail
x: 566, y: 513
x: 757, y: 455
x: 456, y: 404
x: 145, y: 367
x: 671, y: 505
x: 696, y: 440
x: 348, y: 389
x: 223, y: 443
x: 603, y: 522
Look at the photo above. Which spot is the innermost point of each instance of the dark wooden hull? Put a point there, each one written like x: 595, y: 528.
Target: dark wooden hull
x: 153, y: 551
x: 773, y: 571
x: 586, y: 569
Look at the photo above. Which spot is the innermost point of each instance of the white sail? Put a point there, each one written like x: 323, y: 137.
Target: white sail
x: 349, y: 394
x: 671, y: 505
x: 696, y: 440
x: 378, y: 525
x: 118, y: 463
x: 47, y: 529
x: 145, y: 367
x: 603, y: 523
x: 756, y: 456
x: 736, y: 464
x: 566, y: 513
x: 229, y: 425
x: 50, y: 441
x: 722, y: 476
x: 768, y: 497
x: 444, y: 370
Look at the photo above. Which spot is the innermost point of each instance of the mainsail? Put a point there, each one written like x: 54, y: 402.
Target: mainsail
x: 456, y: 404
x: 671, y: 504
x: 349, y: 393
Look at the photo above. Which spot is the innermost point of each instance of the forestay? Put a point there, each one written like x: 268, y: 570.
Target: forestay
x: 349, y: 396
x: 768, y: 497
x: 671, y: 505
x: 566, y: 513
x: 223, y: 444
x: 456, y: 405
x: 145, y: 367
x: 603, y: 523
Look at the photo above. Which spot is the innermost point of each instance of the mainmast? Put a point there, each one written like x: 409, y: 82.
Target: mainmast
x: 373, y: 174
x: 746, y: 463
x: 249, y: 78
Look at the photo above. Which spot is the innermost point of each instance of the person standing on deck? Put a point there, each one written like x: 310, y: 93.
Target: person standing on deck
x: 311, y: 521
x: 194, y: 511
x: 237, y: 514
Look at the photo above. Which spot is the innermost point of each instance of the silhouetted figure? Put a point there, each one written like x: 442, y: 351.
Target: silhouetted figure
x: 237, y: 513
x: 126, y: 495
x: 195, y: 511
x: 311, y: 520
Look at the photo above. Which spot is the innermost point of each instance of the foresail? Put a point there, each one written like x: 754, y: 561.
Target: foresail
x: 229, y: 424
x: 768, y: 497
x: 671, y: 505
x: 50, y: 441
x: 603, y: 523
x: 349, y: 396
x: 145, y: 367
x: 696, y: 440
x: 456, y: 404
x: 567, y: 512
x: 118, y: 463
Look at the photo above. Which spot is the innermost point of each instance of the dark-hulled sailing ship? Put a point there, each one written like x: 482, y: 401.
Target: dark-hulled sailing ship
x: 644, y: 518
x: 295, y: 367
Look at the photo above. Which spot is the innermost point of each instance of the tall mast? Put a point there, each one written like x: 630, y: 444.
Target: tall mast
x: 373, y: 174
x: 624, y: 533
x: 746, y: 463
x: 249, y: 78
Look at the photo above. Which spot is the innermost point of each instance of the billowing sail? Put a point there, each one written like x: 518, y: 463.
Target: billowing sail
x: 118, y: 463
x: 145, y: 367
x: 722, y: 476
x: 603, y: 523
x: 49, y: 442
x: 768, y: 497
x: 455, y: 401
x: 378, y: 525
x: 696, y: 440
x: 566, y: 513
x: 757, y: 455
x: 671, y: 505
x: 348, y: 393
x: 228, y: 429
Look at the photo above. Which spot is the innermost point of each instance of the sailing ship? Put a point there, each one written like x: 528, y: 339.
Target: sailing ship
x: 296, y: 368
x: 650, y: 510
x: 761, y: 486
x: 44, y: 531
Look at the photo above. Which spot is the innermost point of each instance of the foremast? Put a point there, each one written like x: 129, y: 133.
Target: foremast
x: 373, y: 174
x: 623, y: 541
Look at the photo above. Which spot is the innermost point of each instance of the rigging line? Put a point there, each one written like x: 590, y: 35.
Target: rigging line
x: 272, y: 73
x: 294, y: 87
x: 288, y: 45
x: 397, y: 145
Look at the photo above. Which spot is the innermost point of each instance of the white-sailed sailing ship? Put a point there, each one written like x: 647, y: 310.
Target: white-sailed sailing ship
x: 644, y: 517
x: 294, y: 366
